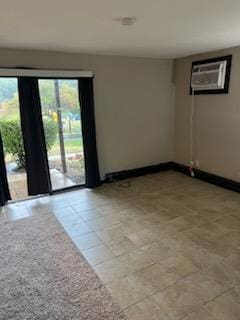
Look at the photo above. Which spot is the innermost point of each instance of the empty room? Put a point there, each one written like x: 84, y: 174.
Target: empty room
x: 120, y: 160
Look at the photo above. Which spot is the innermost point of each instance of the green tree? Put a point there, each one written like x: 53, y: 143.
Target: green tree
x: 13, y: 141
x: 68, y: 96
x: 10, y: 108
x: 8, y: 87
x: 46, y: 88
x: 69, y: 99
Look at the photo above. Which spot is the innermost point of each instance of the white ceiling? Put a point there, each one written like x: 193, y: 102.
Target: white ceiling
x: 164, y: 28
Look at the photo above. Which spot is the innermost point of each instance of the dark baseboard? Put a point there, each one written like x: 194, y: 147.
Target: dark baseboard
x: 199, y: 174
x: 110, y: 177
x: 208, y: 177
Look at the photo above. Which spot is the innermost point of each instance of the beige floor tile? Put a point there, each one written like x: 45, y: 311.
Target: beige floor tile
x: 112, y: 235
x: 143, y: 237
x: 216, y: 247
x: 167, y: 246
x: 179, y: 224
x: 66, y: 211
x: 236, y: 214
x: 70, y: 220
x: 83, y: 206
x: 193, y: 292
x: 17, y: 211
x: 146, y: 310
x: 122, y: 247
x: 158, y: 277
x: 201, y: 256
x: 130, y: 290
x: 78, y: 229
x: 178, y: 302
x: 136, y: 260
x: 132, y: 226
x: 230, y: 222
x: 159, y: 216
x: 168, y: 272
x: 110, y: 270
x: 87, y: 241
x: 210, y: 231
x: 201, y: 314
x: 103, y: 222
x: 224, y: 307
x: 212, y: 281
x: 98, y: 254
x: 223, y: 274
x: 162, y: 250
x: 107, y: 209
x: 231, y: 239
x: 88, y: 215
x: 196, y: 290
x: 233, y: 259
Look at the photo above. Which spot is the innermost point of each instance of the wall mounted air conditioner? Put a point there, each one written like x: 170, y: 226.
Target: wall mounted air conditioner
x: 209, y: 76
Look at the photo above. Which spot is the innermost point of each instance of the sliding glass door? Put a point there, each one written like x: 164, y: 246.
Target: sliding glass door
x: 48, y: 131
x: 63, y: 131
x: 11, y: 132
x: 62, y: 128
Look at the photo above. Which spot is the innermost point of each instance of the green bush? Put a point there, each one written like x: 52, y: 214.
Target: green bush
x: 50, y: 129
x: 13, y: 142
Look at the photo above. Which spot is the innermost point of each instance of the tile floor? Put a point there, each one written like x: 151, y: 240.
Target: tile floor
x: 18, y: 183
x: 167, y: 246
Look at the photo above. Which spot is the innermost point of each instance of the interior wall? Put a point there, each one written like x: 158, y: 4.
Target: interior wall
x: 216, y: 120
x: 132, y: 103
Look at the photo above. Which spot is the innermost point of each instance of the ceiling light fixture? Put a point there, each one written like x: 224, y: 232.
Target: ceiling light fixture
x: 126, y: 21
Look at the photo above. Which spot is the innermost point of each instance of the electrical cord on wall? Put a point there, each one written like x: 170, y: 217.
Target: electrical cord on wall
x: 191, y: 169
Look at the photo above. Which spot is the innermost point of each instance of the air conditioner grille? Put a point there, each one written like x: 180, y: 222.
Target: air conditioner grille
x: 209, y: 76
x: 204, y: 79
x: 207, y: 68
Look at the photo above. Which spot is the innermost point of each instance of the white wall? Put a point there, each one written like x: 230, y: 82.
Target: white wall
x: 217, y: 120
x: 132, y: 104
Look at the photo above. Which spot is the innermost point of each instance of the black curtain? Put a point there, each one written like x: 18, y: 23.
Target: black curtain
x: 38, y: 177
x: 86, y: 99
x: 4, y: 190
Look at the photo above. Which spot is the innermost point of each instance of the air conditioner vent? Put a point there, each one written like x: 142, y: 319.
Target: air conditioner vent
x: 209, y: 76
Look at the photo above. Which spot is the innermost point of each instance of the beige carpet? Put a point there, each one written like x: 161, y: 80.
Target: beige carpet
x: 43, y: 275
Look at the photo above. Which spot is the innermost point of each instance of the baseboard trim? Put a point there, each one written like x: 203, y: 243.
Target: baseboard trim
x: 208, y: 177
x: 199, y: 174
x: 126, y: 174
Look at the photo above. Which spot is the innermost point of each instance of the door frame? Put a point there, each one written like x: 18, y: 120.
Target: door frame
x: 47, y: 74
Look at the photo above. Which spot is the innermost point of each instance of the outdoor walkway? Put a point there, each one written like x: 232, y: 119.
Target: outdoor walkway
x: 18, y: 183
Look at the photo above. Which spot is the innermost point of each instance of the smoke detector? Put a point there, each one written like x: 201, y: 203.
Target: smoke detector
x: 126, y: 21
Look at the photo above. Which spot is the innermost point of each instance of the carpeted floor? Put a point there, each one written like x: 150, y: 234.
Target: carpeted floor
x: 43, y: 276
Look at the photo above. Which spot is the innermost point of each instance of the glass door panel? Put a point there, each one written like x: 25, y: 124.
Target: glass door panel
x: 11, y: 132
x: 63, y: 132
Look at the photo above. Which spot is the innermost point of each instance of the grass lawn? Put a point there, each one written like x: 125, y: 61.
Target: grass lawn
x: 71, y: 146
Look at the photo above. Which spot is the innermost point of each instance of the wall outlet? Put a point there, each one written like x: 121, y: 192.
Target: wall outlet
x: 197, y: 163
